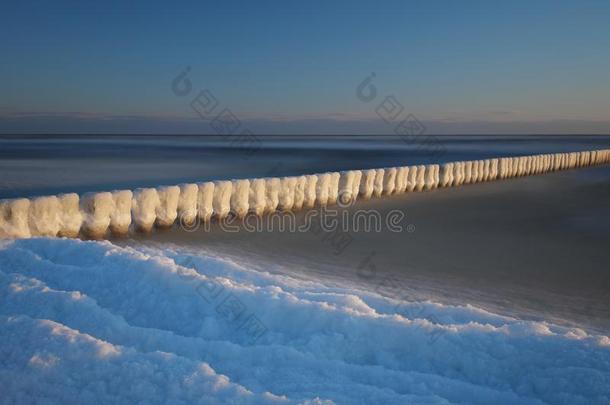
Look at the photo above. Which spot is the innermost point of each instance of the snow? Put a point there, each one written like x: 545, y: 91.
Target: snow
x: 89, y: 321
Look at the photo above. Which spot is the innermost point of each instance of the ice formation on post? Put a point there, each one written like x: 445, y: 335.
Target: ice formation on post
x: 95, y: 213
x: 431, y: 178
x: 97, y: 208
x: 167, y: 210
x: 412, y: 178
x: 310, y: 191
x: 378, y: 185
x: 221, y: 202
x: 333, y: 189
x: 120, y: 219
x: 356, y: 184
x: 205, y: 201
x: 446, y: 175
x: 187, y: 204
x: 144, y: 208
x: 346, y: 186
x: 286, y: 195
x: 257, y: 197
x: 43, y: 216
x: 421, y: 178
x: 14, y: 218
x: 299, y: 193
x: 401, y: 179
x: 322, y: 189
x: 240, y: 195
x: 272, y: 194
x: 367, y: 183
x: 70, y: 216
x: 389, y: 181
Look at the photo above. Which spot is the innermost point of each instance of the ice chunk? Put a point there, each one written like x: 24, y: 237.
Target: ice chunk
x: 96, y: 208
x: 120, y: 219
x: 144, y: 208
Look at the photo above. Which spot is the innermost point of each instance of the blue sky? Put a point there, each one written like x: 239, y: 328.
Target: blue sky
x: 289, y: 67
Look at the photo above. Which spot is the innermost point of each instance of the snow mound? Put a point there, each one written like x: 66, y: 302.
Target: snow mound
x: 95, y: 322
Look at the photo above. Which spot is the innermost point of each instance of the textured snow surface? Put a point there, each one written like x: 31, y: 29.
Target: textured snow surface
x: 91, y: 322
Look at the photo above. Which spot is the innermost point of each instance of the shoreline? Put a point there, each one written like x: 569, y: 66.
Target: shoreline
x: 533, y: 247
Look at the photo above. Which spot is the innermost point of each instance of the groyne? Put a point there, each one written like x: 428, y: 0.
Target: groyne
x: 98, y: 215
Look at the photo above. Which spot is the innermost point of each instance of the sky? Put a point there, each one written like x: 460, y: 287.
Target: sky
x: 295, y: 67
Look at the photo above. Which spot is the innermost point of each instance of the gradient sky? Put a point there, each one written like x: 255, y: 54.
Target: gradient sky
x: 290, y: 67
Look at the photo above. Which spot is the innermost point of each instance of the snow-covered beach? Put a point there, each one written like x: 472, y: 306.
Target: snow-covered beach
x: 493, y: 292
x: 91, y: 321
